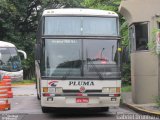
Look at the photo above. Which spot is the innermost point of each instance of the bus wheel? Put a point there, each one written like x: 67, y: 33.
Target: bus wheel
x: 45, y: 110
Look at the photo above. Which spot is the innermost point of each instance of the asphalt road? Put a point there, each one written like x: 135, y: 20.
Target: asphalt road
x: 25, y: 106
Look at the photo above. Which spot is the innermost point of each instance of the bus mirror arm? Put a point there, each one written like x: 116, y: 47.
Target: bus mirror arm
x: 24, y: 53
x: 37, y: 52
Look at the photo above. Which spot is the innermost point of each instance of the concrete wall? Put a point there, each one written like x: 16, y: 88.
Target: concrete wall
x: 144, y: 75
x: 139, y: 10
x: 145, y: 67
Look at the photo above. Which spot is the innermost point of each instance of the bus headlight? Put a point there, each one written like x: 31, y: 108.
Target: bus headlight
x: 59, y: 90
x: 118, y: 89
x: 45, y: 89
x: 51, y: 90
x: 111, y: 90
x: 105, y: 90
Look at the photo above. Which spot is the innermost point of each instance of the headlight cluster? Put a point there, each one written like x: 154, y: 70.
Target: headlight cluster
x: 111, y: 90
x: 59, y: 90
x: 52, y: 90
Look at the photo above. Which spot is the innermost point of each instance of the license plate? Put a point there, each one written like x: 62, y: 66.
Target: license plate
x: 82, y: 100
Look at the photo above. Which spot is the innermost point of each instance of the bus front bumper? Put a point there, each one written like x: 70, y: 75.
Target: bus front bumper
x: 71, y: 102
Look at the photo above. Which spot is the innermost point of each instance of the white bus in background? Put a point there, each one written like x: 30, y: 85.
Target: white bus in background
x: 10, y: 63
x: 77, y: 59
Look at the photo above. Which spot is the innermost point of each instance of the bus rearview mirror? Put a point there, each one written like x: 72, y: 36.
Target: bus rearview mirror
x: 24, y: 53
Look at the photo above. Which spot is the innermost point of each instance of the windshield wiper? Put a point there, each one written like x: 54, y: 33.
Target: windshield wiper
x: 96, y: 70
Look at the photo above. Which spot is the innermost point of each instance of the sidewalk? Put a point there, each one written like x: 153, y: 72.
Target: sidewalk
x: 150, y: 109
x: 24, y: 90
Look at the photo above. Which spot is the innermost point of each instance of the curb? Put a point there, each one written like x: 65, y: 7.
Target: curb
x: 142, y: 111
x: 16, y: 85
x: 24, y: 95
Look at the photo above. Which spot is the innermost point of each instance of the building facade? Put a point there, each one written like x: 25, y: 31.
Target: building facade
x: 143, y: 17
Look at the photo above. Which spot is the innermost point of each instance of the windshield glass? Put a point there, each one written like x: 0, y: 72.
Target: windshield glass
x: 88, y: 59
x: 101, y: 58
x: 100, y: 50
x: 9, y: 60
x: 88, y: 26
x: 62, y: 57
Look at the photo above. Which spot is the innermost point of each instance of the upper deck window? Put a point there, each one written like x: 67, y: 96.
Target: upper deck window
x: 99, y: 26
x: 62, y: 26
x: 88, y: 26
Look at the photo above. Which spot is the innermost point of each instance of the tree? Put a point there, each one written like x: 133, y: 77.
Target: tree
x: 102, y: 4
x: 18, y: 24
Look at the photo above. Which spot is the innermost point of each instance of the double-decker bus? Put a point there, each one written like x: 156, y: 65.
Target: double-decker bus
x: 10, y: 63
x: 78, y: 59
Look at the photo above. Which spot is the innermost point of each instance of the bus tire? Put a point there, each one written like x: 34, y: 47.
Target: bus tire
x: 45, y: 110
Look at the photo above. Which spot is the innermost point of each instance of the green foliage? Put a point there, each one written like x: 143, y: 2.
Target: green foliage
x: 158, y: 101
x: 18, y: 24
x: 152, y: 43
x: 24, y: 82
x: 126, y: 88
x: 102, y: 4
x: 124, y: 34
x: 61, y: 3
x: 126, y: 74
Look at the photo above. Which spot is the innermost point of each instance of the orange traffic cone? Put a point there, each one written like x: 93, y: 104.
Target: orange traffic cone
x: 7, y: 82
x: 4, y: 104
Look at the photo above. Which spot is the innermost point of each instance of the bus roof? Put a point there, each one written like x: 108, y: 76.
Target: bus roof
x: 79, y: 12
x: 6, y: 44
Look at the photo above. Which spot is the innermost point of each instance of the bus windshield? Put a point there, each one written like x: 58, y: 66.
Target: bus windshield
x: 87, y: 26
x: 9, y: 59
x: 79, y: 58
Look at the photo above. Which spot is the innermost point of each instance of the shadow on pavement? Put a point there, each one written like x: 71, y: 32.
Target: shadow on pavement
x: 80, y: 114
